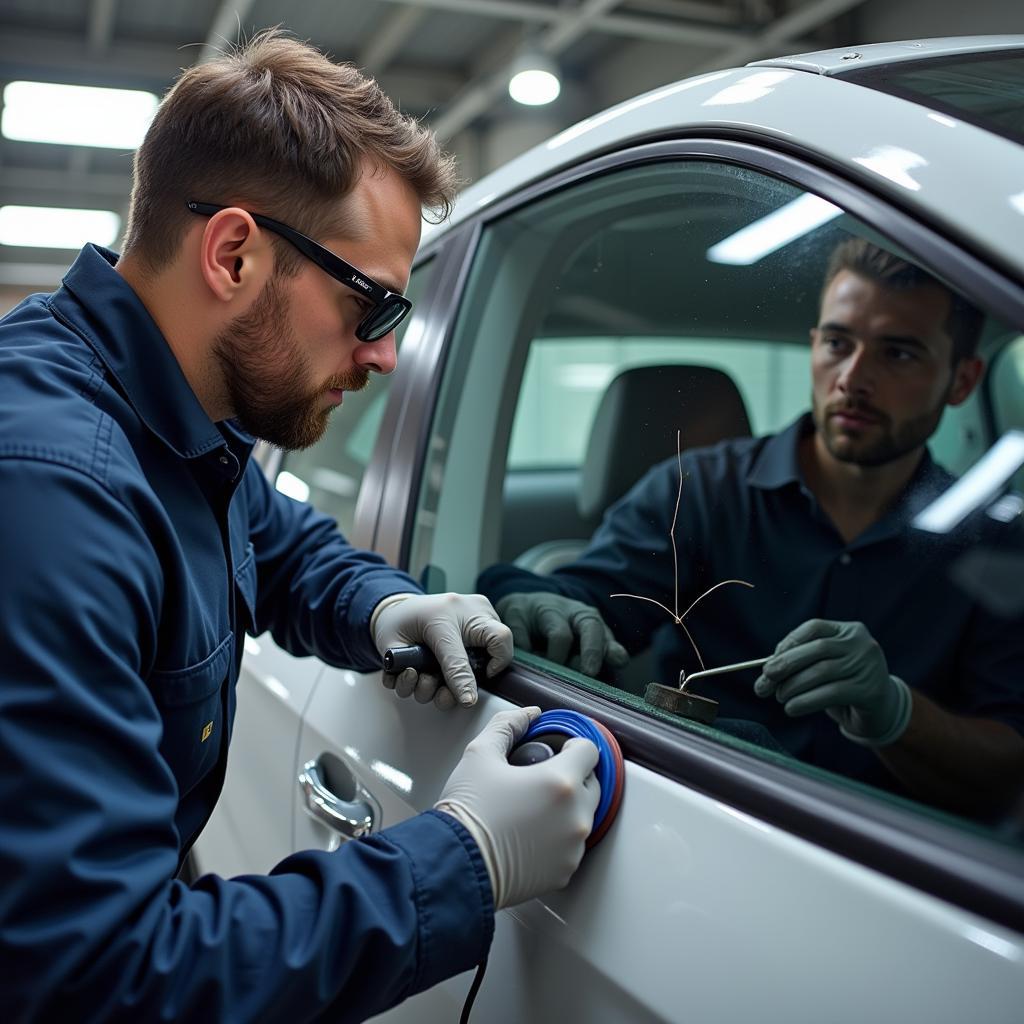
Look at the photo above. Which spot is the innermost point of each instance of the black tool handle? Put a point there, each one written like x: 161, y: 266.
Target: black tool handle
x: 421, y: 658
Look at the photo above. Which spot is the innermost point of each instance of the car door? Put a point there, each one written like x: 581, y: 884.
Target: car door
x: 737, y: 882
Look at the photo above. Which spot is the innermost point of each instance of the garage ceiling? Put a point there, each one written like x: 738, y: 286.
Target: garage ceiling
x: 445, y: 61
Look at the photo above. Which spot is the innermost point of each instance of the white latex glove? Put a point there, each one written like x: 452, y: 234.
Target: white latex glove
x: 447, y: 624
x: 560, y: 623
x: 530, y: 822
x: 838, y: 668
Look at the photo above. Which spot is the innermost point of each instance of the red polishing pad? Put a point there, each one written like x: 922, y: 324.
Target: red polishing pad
x: 620, y: 777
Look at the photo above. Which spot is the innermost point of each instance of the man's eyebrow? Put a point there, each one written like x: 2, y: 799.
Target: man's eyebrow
x: 893, y: 339
x: 906, y: 339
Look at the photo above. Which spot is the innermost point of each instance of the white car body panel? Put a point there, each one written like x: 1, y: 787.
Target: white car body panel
x: 272, y: 691
x: 688, y: 909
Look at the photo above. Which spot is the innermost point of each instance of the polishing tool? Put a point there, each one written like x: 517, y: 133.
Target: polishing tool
x: 546, y: 737
x: 421, y: 658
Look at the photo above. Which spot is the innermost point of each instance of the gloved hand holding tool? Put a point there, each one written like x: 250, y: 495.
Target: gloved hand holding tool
x: 531, y: 823
x: 559, y: 622
x: 838, y: 667
x: 446, y: 624
x: 534, y: 791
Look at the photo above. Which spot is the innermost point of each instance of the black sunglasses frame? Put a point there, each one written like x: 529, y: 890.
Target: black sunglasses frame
x: 389, y: 309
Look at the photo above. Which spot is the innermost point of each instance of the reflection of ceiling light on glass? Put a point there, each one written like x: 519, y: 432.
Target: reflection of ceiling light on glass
x: 534, y: 80
x: 585, y: 376
x: 47, y: 227
x: 976, y: 487
x: 788, y: 222
x: 293, y: 486
x: 76, y: 115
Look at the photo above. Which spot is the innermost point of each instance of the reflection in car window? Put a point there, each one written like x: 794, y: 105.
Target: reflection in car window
x: 645, y: 482
x: 987, y: 89
x: 329, y: 473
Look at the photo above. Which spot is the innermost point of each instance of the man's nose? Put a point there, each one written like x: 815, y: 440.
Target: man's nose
x: 857, y: 376
x: 380, y: 356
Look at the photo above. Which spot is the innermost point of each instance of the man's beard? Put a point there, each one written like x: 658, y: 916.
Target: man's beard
x: 267, y: 376
x: 888, y: 442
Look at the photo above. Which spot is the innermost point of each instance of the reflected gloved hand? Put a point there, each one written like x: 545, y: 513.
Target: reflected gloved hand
x: 447, y: 624
x: 838, y: 667
x: 530, y: 822
x: 558, y: 621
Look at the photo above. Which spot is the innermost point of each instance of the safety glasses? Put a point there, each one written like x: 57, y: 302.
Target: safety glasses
x: 389, y: 308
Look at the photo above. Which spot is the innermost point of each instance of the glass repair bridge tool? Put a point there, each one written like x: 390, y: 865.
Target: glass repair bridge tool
x: 679, y: 701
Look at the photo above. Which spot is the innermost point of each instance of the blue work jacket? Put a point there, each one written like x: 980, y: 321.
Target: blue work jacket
x: 139, y: 543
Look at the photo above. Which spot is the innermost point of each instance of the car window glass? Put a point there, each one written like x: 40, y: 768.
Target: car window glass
x: 565, y: 379
x: 986, y: 89
x: 329, y: 473
x: 625, y: 422
x: 1006, y: 384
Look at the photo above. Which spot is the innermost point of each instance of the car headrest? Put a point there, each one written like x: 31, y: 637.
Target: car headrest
x: 636, y: 423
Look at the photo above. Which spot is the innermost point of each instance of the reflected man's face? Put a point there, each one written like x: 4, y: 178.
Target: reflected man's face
x: 881, y: 368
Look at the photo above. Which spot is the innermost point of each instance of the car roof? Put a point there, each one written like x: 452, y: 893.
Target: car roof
x: 846, y: 59
x: 918, y: 157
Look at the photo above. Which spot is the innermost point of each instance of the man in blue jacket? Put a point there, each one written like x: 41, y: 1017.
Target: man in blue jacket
x: 883, y: 667
x: 140, y: 542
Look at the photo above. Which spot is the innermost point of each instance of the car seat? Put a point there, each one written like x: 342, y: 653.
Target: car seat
x: 634, y: 429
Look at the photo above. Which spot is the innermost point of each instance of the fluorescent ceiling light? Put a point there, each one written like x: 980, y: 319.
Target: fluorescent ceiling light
x: 47, y: 227
x: 76, y: 115
x: 534, y: 80
x: 977, y: 486
x: 788, y: 222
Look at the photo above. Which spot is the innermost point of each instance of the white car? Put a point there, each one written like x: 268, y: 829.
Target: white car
x: 686, y: 227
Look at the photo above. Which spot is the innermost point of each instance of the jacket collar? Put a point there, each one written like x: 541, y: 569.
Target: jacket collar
x: 777, y: 465
x: 97, y: 302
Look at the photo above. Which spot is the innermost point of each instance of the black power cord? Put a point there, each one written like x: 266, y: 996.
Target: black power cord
x: 473, y: 989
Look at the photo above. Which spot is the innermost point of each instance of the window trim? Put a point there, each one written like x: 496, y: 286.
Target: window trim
x: 953, y: 864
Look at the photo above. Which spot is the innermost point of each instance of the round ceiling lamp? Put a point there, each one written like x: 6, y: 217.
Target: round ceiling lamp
x: 534, y: 80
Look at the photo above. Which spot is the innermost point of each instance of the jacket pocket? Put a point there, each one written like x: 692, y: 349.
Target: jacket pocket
x: 191, y: 706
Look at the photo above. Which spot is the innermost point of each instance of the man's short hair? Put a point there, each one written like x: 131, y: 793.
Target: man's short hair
x: 861, y: 257
x: 275, y: 126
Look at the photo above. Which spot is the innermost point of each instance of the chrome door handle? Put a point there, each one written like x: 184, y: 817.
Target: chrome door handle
x: 349, y: 818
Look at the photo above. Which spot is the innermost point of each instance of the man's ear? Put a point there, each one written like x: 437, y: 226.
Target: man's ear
x: 235, y: 257
x: 966, y: 375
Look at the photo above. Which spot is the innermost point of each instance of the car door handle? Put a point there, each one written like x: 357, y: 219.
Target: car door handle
x: 349, y: 818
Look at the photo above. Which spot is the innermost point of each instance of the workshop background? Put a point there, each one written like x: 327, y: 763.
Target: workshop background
x: 448, y: 62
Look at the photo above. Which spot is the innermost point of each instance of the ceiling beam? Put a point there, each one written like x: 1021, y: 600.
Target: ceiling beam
x: 101, y: 24
x: 719, y: 14
x: 482, y: 94
x: 90, y: 189
x: 780, y: 33
x: 390, y: 38
x: 57, y: 57
x: 226, y: 27
x: 630, y: 26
